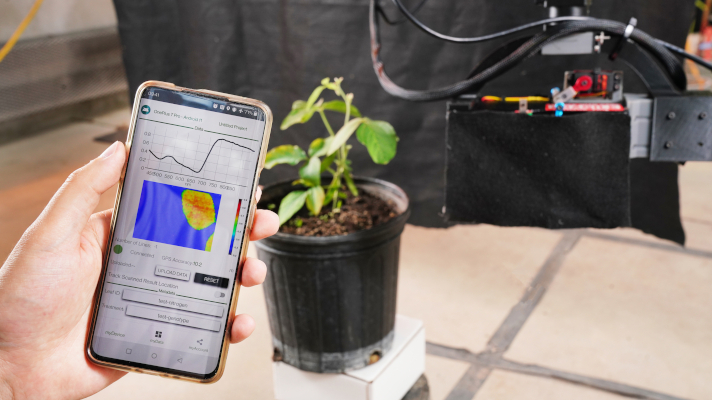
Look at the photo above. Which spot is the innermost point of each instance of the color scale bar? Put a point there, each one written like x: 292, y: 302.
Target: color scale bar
x: 234, y: 228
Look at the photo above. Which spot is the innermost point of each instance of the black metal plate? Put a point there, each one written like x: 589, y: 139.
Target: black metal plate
x: 682, y: 128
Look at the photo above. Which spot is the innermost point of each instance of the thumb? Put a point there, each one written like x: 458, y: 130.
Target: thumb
x: 67, y: 213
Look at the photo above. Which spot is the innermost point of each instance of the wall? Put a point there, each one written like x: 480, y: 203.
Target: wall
x: 55, y: 17
x: 66, y: 65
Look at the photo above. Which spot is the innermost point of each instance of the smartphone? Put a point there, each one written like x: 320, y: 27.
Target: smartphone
x: 168, y: 290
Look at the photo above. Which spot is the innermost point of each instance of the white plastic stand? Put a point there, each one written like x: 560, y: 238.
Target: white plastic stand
x: 388, y: 379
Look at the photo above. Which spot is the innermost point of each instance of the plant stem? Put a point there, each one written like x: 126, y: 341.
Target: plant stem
x: 347, y: 115
x: 326, y: 122
x: 336, y: 180
x: 343, y: 154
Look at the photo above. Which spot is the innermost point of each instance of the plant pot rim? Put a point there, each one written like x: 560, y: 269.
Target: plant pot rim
x: 396, y: 192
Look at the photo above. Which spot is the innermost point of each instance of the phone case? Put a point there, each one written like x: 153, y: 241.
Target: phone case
x: 245, y: 239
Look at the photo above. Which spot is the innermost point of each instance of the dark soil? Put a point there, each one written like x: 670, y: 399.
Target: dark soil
x: 357, y: 213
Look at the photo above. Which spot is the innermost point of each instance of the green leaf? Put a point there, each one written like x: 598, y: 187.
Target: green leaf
x: 380, y: 139
x: 297, y: 116
x: 314, y: 96
x: 315, y: 199
x: 316, y: 146
x: 343, y: 135
x: 320, y: 148
x: 301, y: 113
x: 332, y: 191
x: 291, y: 204
x: 327, y: 161
x: 350, y: 184
x: 311, y: 172
x: 340, y: 106
x: 329, y: 195
x: 285, y: 154
x: 299, y: 104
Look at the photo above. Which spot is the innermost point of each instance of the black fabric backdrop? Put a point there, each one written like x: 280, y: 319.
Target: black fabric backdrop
x: 278, y: 51
x: 512, y: 169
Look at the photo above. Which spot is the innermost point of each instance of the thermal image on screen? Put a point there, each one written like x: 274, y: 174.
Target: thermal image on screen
x: 234, y: 227
x: 176, y: 216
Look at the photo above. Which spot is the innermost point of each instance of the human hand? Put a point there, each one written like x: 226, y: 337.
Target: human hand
x: 48, y: 282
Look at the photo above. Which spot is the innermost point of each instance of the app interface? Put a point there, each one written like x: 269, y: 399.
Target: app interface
x: 178, y: 234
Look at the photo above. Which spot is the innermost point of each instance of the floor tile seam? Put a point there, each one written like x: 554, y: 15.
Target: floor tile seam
x: 486, y: 361
x: 582, y: 380
x: 470, y: 383
x: 520, y: 312
x: 476, y: 375
x: 654, y: 245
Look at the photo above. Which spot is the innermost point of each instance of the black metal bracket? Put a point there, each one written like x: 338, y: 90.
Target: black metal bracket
x: 682, y: 128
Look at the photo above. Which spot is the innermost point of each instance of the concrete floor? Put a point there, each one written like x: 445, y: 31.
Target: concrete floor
x: 510, y: 313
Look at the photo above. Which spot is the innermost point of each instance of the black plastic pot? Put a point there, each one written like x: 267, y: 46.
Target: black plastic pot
x: 332, y: 300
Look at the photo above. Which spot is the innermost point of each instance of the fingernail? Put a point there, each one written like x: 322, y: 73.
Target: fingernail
x: 109, y: 151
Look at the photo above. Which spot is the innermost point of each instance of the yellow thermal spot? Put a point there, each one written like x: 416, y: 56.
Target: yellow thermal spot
x: 198, y: 208
x: 209, y: 244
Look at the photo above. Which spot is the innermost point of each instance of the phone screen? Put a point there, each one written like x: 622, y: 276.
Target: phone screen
x: 178, y: 235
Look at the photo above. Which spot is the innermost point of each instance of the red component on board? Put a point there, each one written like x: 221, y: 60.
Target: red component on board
x: 583, y: 83
x: 588, y: 107
x: 595, y: 83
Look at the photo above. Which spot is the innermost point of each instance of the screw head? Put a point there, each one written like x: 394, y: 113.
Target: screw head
x: 703, y: 115
x: 668, y: 144
x: 671, y: 115
x: 374, y: 357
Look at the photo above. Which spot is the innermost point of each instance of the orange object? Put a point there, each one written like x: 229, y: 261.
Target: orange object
x: 491, y: 99
x: 706, y: 45
x: 705, y: 15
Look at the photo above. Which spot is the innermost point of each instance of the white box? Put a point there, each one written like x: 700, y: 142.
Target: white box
x: 388, y: 379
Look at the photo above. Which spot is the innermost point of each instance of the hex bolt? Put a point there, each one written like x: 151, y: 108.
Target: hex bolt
x: 671, y: 115
x: 703, y: 115
x: 668, y: 144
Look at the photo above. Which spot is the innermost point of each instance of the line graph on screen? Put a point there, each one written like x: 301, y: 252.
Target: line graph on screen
x: 206, y: 157
x: 199, y: 154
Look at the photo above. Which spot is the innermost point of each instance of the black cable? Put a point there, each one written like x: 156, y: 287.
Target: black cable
x: 661, y: 55
x: 411, y: 17
x: 400, y: 21
x: 484, y: 38
x: 499, y: 68
x: 685, y: 54
x: 671, y: 64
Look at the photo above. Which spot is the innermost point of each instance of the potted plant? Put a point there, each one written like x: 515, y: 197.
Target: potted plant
x: 333, y: 267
